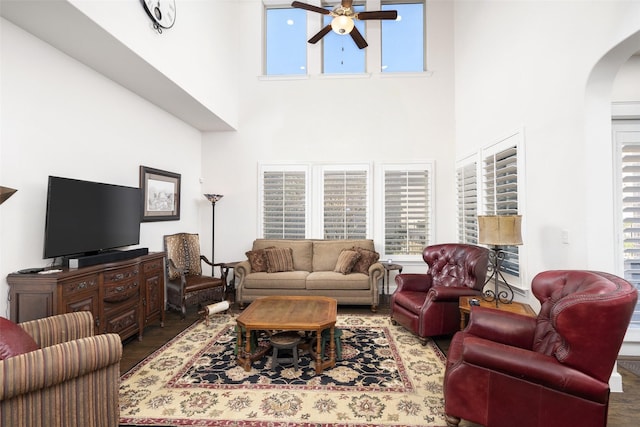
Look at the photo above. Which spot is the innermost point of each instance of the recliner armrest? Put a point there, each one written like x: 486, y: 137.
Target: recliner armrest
x: 413, y: 282
x: 451, y: 293
x: 501, y: 326
x: 533, y: 367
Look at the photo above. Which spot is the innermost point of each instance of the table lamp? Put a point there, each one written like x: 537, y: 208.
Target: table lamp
x: 497, y: 231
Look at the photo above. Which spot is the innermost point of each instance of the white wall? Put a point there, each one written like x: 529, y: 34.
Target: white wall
x: 61, y: 118
x: 331, y: 119
x: 526, y: 65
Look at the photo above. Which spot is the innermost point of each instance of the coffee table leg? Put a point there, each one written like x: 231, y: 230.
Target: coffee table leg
x: 247, y: 350
x: 332, y: 347
x: 319, y: 354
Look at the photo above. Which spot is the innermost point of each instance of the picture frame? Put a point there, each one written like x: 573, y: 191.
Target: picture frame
x: 160, y: 194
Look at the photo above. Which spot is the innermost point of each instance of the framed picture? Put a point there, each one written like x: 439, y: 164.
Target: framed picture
x: 160, y: 195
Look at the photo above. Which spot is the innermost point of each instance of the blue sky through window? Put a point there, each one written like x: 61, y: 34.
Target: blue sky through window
x: 402, y: 42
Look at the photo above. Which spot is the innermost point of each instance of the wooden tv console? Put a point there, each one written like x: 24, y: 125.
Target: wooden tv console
x: 124, y: 296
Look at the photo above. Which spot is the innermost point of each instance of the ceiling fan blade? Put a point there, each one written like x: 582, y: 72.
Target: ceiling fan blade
x: 323, y: 32
x: 358, y: 39
x: 310, y: 7
x: 377, y: 14
x: 347, y: 4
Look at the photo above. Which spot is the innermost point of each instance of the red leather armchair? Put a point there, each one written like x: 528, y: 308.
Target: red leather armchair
x: 505, y: 369
x: 427, y: 304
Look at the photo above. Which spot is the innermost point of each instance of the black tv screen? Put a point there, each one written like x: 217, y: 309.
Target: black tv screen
x: 86, y: 217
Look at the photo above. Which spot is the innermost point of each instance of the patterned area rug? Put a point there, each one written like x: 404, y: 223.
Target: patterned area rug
x: 385, y: 378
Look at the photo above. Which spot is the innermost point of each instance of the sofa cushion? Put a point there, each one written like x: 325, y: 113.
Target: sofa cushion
x: 302, y: 250
x: 284, y: 280
x: 279, y: 259
x: 258, y: 260
x: 330, y: 280
x: 346, y: 260
x: 14, y: 340
x: 367, y: 259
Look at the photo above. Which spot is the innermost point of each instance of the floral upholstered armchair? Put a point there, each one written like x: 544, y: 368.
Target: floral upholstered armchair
x: 54, y: 372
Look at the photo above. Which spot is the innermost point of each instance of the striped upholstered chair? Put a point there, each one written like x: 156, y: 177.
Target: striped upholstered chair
x: 73, y: 378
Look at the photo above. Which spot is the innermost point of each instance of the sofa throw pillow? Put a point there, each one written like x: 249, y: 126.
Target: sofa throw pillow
x: 279, y: 259
x: 258, y: 260
x: 346, y: 260
x: 14, y: 340
x: 367, y: 259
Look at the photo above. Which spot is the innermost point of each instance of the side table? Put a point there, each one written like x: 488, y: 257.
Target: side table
x: 513, y: 307
x: 231, y: 286
x: 389, y: 266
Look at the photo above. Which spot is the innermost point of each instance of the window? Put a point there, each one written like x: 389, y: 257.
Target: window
x: 284, y: 202
x: 403, y: 39
x: 286, y: 41
x: 400, y: 43
x: 345, y: 207
x: 407, y: 209
x: 340, y: 53
x: 626, y: 135
x: 467, y: 196
x: 500, y: 192
x: 333, y: 201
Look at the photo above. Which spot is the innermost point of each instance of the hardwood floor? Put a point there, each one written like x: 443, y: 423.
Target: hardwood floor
x: 623, y: 410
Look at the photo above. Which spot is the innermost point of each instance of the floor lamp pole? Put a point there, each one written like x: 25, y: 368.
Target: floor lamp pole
x: 213, y: 198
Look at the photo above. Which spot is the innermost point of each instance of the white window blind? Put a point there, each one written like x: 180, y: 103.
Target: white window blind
x: 345, y: 204
x: 467, y: 196
x: 284, y: 205
x: 628, y: 143
x: 500, y: 195
x: 407, y: 210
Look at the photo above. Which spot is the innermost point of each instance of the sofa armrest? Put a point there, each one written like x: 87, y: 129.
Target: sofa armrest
x: 56, y: 364
x: 60, y: 328
x: 533, y: 367
x: 241, y: 270
x: 501, y: 326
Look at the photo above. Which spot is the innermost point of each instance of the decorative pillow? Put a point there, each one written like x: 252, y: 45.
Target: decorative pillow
x: 14, y: 340
x: 367, y: 259
x: 258, y: 260
x: 279, y: 259
x: 346, y: 260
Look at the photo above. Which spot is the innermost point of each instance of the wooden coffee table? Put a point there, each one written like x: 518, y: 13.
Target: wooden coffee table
x: 513, y: 307
x: 288, y: 313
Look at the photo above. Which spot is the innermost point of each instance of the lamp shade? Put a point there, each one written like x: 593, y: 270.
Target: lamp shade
x: 213, y: 198
x: 500, y: 230
x: 5, y: 193
x: 342, y: 24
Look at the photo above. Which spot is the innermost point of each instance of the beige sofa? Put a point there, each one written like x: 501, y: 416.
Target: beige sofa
x: 312, y: 272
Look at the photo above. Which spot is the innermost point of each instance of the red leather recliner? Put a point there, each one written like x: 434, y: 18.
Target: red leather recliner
x: 510, y: 370
x: 427, y: 304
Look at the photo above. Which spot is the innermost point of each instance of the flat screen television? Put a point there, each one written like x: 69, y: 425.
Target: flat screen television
x: 87, y: 218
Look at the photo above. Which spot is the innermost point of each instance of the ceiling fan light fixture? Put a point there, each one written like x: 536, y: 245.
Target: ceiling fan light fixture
x: 342, y: 25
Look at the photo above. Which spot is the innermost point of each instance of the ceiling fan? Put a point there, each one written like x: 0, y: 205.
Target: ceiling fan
x: 343, y: 17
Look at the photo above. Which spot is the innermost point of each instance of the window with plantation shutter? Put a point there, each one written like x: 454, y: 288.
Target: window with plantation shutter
x: 467, y: 197
x: 407, y: 209
x: 500, y: 194
x: 627, y: 139
x: 284, y: 203
x: 345, y: 207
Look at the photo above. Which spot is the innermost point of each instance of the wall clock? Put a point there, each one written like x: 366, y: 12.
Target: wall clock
x: 161, y: 12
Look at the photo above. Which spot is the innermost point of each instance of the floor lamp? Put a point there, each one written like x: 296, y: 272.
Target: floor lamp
x: 497, y: 231
x: 213, y: 198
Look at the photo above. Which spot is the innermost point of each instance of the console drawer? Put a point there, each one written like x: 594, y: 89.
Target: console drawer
x: 76, y: 285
